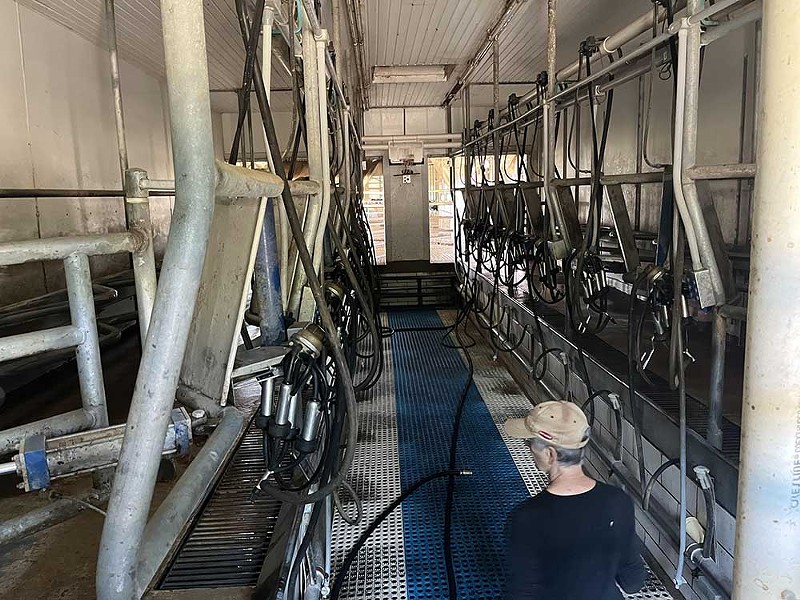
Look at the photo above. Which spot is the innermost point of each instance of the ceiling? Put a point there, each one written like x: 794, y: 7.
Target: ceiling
x: 140, y: 42
x: 398, y: 32
x: 407, y: 32
x: 401, y: 32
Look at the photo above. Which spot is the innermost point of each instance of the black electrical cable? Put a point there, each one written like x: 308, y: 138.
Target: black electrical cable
x: 336, y: 589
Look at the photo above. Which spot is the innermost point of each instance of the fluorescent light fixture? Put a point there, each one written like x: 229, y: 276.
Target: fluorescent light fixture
x: 410, y: 74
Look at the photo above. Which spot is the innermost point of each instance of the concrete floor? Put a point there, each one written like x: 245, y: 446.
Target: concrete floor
x: 60, y: 562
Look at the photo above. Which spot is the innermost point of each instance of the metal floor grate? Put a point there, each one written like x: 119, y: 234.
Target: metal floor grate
x: 429, y: 378
x: 379, y: 572
x: 404, y: 420
x: 504, y: 399
x: 227, y: 544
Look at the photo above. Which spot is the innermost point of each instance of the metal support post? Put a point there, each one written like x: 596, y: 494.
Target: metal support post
x: 87, y: 354
x: 267, y: 288
x: 137, y: 209
x: 267, y: 281
x: 559, y: 246
x: 153, y: 396
x: 137, y: 203
x: 767, y: 560
x: 347, y: 167
x: 119, y: 120
x: 704, y: 262
x: 496, y: 103
x: 467, y: 107
x: 279, y: 211
x: 321, y: 43
x: 716, y: 391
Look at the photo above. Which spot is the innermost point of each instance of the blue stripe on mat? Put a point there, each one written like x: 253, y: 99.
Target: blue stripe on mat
x: 428, y: 381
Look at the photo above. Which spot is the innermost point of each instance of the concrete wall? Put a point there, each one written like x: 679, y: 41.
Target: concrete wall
x: 58, y: 132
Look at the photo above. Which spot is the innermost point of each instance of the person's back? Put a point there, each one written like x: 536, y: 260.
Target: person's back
x: 577, y: 539
x: 574, y: 547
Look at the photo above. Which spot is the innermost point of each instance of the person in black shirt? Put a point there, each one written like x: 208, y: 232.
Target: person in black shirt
x: 576, y: 540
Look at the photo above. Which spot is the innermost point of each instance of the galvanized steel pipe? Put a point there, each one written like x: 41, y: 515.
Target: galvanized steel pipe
x: 716, y: 393
x: 233, y: 181
x: 76, y: 420
x: 734, y: 171
x: 87, y: 354
x: 321, y: 43
x: 190, y: 120
x: 685, y: 187
x: 767, y: 560
x: 623, y: 36
x: 28, y: 251
x: 311, y: 218
x: 750, y: 14
x: 119, y: 120
x: 36, y: 342
x: 37, y: 520
x: 137, y: 209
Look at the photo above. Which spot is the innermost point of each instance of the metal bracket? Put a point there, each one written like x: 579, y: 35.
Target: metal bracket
x: 33, y: 462
x: 622, y: 227
x: 568, y: 212
x: 182, y: 425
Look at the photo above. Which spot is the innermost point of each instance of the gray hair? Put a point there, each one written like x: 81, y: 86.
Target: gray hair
x: 566, y: 457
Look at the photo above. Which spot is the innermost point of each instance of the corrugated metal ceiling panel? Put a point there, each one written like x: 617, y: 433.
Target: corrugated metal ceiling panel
x: 523, y: 44
x: 140, y: 42
x: 407, y: 32
x: 398, y: 32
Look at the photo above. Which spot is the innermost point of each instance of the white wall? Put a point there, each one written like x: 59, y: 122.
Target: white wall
x: 58, y: 132
x: 283, y: 129
x: 405, y: 121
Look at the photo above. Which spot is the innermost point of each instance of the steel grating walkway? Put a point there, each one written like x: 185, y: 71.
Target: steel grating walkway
x: 404, y: 431
x: 228, y: 541
x: 404, y: 435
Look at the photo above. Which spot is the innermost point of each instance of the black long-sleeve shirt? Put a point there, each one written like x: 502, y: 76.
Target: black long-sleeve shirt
x: 578, y: 547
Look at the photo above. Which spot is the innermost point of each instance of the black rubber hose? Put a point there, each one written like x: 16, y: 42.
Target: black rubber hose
x: 376, y: 366
x: 247, y: 79
x: 452, y: 585
x: 329, y: 461
x: 336, y: 590
x: 636, y: 407
x: 319, y: 298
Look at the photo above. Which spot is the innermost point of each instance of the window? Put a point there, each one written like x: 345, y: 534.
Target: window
x: 374, y: 205
x: 440, y: 210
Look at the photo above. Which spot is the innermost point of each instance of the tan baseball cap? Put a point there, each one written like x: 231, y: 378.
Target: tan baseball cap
x: 559, y: 423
